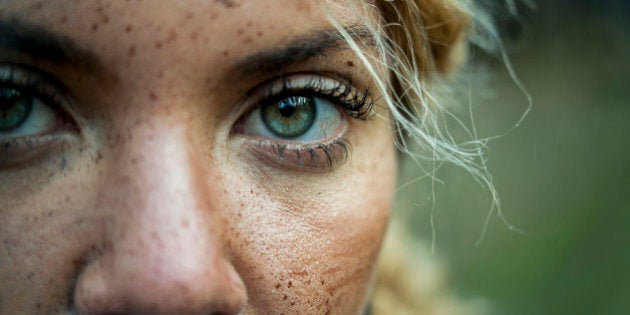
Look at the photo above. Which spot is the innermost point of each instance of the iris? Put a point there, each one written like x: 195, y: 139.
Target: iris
x: 291, y: 117
x: 15, y: 107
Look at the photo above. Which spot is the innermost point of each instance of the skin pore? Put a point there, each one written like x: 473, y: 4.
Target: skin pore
x: 149, y: 188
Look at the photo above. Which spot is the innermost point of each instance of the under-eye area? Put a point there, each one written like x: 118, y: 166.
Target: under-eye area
x: 32, y: 121
x: 302, y: 120
x: 319, y: 157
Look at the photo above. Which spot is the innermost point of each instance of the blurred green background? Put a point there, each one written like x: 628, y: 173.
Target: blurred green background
x: 563, y: 175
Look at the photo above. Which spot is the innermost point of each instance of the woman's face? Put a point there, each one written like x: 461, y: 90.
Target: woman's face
x: 188, y: 157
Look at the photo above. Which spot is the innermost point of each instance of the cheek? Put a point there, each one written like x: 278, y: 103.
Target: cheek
x: 47, y: 229
x: 308, y: 242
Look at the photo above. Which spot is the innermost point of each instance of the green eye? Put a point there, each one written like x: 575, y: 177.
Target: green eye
x: 297, y: 112
x: 290, y: 117
x: 15, y: 107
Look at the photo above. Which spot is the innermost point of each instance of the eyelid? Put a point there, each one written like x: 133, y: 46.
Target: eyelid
x: 305, y: 154
x: 315, y: 157
x: 19, y: 148
x: 46, y: 87
x: 354, y: 101
x: 41, y: 84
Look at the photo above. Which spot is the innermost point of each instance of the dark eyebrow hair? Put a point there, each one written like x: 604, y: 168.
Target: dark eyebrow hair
x: 303, y: 48
x: 41, y: 44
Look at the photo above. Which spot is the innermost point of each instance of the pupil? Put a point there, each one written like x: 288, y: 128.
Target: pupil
x: 287, y: 109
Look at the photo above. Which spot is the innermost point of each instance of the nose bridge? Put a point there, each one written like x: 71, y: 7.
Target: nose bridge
x: 166, y: 253
x: 158, y: 176
x: 163, y: 211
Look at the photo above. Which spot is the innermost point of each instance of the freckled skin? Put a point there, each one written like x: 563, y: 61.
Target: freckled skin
x: 155, y: 207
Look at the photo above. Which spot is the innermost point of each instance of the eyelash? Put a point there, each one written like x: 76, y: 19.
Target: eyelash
x: 31, y: 80
x: 44, y: 87
x: 355, y: 103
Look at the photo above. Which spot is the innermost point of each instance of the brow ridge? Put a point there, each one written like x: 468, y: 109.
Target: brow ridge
x: 39, y: 43
x: 302, y: 48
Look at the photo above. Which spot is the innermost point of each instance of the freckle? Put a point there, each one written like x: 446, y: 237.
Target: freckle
x: 94, y: 26
x: 172, y: 36
x: 64, y: 19
x: 128, y: 28
x: 247, y: 40
x: 132, y: 51
x: 193, y: 35
x: 153, y: 96
x: 278, y: 286
x: 284, y: 298
x: 290, y: 284
x: 349, y: 63
x: 259, y: 33
x: 105, y: 19
x: 158, y: 45
x: 226, y: 53
x: 99, y: 9
x: 226, y: 3
x: 78, y: 263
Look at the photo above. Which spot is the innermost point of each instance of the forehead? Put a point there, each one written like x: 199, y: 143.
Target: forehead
x: 211, y: 15
x: 145, y: 33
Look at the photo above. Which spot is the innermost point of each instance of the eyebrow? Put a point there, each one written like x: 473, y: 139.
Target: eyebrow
x: 303, y: 48
x: 39, y: 43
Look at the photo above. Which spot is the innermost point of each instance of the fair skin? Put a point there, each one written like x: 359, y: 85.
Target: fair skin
x: 152, y: 191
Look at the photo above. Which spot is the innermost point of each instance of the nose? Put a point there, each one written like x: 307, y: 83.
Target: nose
x: 163, y: 252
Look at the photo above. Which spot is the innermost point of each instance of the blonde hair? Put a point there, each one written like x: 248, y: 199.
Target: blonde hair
x: 410, y: 280
x: 420, y: 43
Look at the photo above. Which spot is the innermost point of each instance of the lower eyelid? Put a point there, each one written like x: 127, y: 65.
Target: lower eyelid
x: 320, y: 157
x: 18, y: 151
